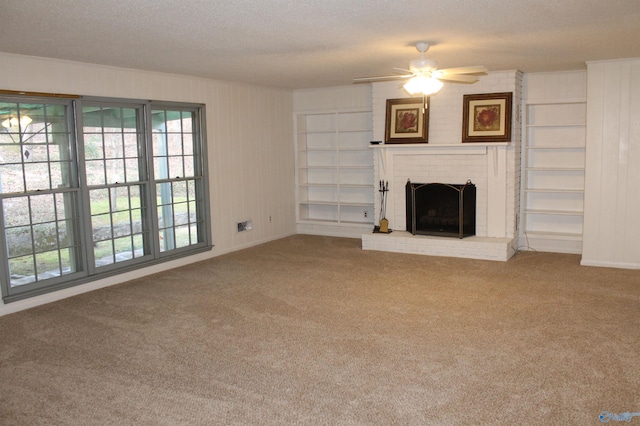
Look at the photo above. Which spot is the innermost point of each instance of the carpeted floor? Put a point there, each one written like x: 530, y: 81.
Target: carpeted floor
x: 313, y: 330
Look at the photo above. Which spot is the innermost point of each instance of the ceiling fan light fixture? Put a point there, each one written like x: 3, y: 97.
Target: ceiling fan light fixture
x: 423, y: 85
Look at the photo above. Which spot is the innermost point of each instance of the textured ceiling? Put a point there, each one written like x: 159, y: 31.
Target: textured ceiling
x: 319, y: 43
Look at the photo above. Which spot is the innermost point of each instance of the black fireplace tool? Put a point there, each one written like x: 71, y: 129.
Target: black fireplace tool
x: 384, y: 222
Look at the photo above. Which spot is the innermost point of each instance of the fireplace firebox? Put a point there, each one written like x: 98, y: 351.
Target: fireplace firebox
x: 441, y: 209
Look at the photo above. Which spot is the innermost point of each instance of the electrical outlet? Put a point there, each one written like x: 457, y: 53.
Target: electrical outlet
x: 366, y: 213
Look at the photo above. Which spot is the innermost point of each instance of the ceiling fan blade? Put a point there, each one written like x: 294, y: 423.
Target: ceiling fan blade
x: 463, y: 70
x: 411, y: 73
x: 385, y: 77
x: 381, y: 78
x: 458, y: 78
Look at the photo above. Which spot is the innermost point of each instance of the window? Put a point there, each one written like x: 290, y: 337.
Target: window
x: 92, y: 187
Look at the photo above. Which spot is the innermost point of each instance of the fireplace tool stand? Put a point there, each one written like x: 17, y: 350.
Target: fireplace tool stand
x: 383, y: 228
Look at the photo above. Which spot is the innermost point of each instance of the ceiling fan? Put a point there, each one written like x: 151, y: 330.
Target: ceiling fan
x: 425, y: 78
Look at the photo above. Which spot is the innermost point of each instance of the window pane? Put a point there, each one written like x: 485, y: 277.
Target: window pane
x: 103, y: 252
x: 95, y: 172
x: 182, y: 236
x: 101, y: 227
x: 63, y: 237
x: 189, y: 169
x: 55, y: 153
x: 123, y: 248
x: 9, y: 152
x: 132, y: 172
x: 99, y: 201
x: 19, y: 241
x: 138, y: 246
x: 187, y: 146
x: 115, y: 171
x: 174, y: 144
x: 16, y: 211
x: 11, y: 178
x: 37, y: 176
x: 66, y: 206
x: 47, y: 265
x: 42, y: 208
x: 93, y: 147
x: 66, y: 262
x: 131, y: 145
x: 59, y: 175
x: 35, y: 153
x: 161, y: 167
x: 164, y: 193
x: 175, y: 167
x: 45, y: 236
x: 193, y: 228
x: 22, y: 270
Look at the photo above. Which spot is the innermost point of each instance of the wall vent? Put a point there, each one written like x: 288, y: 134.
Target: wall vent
x: 247, y: 225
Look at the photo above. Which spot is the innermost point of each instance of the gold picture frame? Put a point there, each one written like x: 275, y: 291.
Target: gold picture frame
x: 407, y: 120
x: 487, y: 117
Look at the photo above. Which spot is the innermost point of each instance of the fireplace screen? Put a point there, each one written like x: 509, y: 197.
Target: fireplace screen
x: 441, y: 209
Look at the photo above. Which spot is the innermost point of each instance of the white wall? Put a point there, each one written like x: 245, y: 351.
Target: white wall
x: 249, y: 139
x: 355, y: 96
x: 612, y: 196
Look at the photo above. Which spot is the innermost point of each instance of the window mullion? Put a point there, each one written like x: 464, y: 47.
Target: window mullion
x: 84, y: 202
x: 150, y: 189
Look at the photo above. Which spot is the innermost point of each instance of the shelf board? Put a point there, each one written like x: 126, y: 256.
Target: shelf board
x: 350, y: 204
x: 365, y: 149
x: 356, y: 222
x: 554, y: 169
x: 555, y: 212
x: 555, y: 125
x: 355, y: 185
x: 334, y: 149
x: 318, y: 203
x: 334, y: 203
x: 317, y: 185
x: 356, y: 167
x: 355, y: 131
x: 553, y: 234
x: 323, y: 221
x: 333, y: 131
x: 317, y: 167
x: 559, y: 101
x: 565, y: 191
x: 571, y: 147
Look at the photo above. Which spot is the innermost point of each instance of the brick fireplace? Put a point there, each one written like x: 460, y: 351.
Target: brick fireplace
x: 493, y: 167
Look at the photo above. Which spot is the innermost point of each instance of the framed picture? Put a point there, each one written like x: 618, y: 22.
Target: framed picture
x: 407, y: 120
x: 487, y: 117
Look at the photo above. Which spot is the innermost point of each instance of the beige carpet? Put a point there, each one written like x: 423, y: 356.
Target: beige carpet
x: 313, y: 330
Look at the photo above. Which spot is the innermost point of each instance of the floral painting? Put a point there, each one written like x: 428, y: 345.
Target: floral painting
x: 407, y: 120
x: 487, y: 117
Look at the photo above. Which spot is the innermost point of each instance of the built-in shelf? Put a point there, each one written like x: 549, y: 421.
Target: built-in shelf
x: 334, y: 168
x: 553, y: 171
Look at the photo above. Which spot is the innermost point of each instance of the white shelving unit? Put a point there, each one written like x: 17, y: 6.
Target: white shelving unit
x: 553, y: 178
x: 334, y: 172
